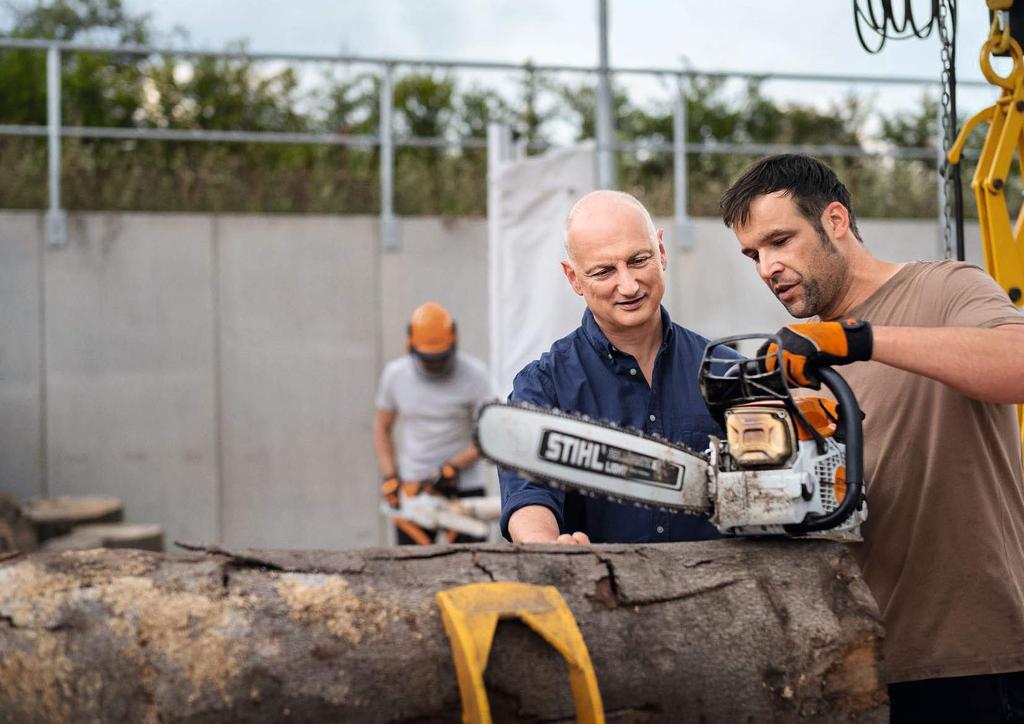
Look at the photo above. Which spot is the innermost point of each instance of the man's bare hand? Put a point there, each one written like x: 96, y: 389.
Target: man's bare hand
x: 576, y: 539
x: 537, y: 524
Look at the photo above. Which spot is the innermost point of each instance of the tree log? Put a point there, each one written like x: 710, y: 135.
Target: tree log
x: 142, y: 536
x: 735, y: 630
x: 58, y: 516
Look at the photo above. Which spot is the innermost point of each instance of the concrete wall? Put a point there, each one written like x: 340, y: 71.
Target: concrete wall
x: 218, y: 372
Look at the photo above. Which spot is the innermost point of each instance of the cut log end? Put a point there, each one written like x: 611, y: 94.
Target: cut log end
x: 58, y: 516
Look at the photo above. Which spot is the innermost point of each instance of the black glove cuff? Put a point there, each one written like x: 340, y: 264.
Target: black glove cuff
x: 859, y: 339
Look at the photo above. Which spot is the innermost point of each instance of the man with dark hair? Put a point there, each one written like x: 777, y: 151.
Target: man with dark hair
x: 935, y: 351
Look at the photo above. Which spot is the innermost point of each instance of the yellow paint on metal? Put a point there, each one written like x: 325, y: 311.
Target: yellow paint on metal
x: 1002, y: 242
x: 471, y: 614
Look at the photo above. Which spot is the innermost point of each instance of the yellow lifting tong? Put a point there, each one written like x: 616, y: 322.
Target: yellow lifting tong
x: 471, y: 614
x: 1003, y: 245
x: 1004, y: 258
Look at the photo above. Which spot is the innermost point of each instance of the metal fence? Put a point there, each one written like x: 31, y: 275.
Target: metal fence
x: 385, y: 139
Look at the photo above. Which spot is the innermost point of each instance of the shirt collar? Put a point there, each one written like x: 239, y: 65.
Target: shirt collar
x: 600, y: 342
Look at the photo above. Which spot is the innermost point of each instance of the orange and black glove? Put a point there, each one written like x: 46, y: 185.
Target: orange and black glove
x: 810, y: 345
x: 446, y: 480
x: 389, y: 490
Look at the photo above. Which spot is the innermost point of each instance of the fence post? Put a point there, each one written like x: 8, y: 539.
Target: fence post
x: 683, y: 224
x: 605, y: 114
x: 500, y: 151
x: 56, y: 221
x: 388, y: 225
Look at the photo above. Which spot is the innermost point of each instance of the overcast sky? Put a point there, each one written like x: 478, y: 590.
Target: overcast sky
x: 743, y: 35
x: 748, y: 35
x: 816, y: 36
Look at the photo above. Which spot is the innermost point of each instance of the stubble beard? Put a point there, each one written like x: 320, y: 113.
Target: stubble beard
x: 822, y: 285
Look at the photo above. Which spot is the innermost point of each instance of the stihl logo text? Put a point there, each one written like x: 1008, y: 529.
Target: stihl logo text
x: 576, y: 452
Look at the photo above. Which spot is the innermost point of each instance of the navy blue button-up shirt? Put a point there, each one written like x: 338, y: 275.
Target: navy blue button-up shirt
x: 584, y: 373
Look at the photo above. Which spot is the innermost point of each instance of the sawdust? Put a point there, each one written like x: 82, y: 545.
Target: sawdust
x: 855, y: 679
x: 328, y: 600
x: 94, y: 565
x: 33, y: 593
x: 193, y: 631
x: 32, y: 597
x: 39, y: 683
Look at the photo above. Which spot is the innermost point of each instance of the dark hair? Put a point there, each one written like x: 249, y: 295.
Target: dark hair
x: 810, y: 183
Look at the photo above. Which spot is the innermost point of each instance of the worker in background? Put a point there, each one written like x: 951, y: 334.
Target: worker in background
x: 936, y: 353
x: 434, y: 392
x: 627, y: 363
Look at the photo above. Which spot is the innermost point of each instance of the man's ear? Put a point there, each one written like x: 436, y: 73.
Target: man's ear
x: 836, y: 220
x: 570, y: 273
x: 661, y: 250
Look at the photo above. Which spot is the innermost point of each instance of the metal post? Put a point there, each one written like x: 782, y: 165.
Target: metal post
x: 500, y: 151
x: 684, y: 226
x: 605, y: 124
x: 388, y: 225
x: 56, y: 223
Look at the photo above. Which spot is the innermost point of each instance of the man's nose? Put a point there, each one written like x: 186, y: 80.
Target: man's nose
x: 627, y: 283
x: 768, y: 266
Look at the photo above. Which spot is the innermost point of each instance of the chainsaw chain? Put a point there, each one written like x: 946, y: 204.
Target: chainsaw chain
x: 570, y: 487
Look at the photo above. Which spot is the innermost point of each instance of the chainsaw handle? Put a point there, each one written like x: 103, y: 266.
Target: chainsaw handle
x: 853, y: 432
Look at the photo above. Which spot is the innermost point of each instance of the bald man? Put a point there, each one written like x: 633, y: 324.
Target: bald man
x: 627, y: 363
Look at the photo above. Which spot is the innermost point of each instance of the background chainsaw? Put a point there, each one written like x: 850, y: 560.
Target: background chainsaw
x: 786, y: 466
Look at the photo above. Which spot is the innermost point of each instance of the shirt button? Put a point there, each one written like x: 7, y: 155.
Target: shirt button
x: 661, y: 529
x: 652, y: 418
x: 609, y: 355
x: 632, y: 371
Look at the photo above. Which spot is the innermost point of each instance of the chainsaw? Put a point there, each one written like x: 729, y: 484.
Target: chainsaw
x: 785, y: 466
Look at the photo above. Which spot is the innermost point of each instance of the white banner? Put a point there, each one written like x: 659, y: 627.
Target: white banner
x: 531, y: 303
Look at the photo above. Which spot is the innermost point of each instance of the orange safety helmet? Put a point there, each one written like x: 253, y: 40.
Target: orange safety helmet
x: 431, y: 331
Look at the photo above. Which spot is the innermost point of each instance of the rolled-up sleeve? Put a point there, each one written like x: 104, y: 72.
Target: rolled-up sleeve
x: 517, y: 492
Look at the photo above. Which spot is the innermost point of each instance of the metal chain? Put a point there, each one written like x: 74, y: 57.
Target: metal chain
x: 946, y: 38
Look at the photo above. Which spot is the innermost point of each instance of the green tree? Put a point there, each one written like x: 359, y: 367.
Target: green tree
x: 97, y: 89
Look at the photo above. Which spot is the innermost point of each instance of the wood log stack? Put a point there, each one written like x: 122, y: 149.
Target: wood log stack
x: 720, y: 631
x: 72, y: 523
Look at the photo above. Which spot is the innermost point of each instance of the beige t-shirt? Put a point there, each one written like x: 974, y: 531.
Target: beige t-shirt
x: 943, y: 549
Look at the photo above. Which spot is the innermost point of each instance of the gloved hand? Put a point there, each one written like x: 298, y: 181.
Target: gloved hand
x: 445, y: 480
x: 810, y: 345
x: 389, y: 488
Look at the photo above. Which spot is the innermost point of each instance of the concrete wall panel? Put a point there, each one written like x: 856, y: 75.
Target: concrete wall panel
x: 129, y: 316
x: 21, y: 444
x: 299, y: 363
x: 443, y: 261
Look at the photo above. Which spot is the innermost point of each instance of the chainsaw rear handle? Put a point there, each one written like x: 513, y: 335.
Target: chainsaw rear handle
x: 853, y: 432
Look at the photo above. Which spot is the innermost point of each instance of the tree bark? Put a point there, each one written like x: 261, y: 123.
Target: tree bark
x: 722, y: 631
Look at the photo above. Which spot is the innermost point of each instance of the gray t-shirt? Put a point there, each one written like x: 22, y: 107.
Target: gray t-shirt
x: 435, y: 415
